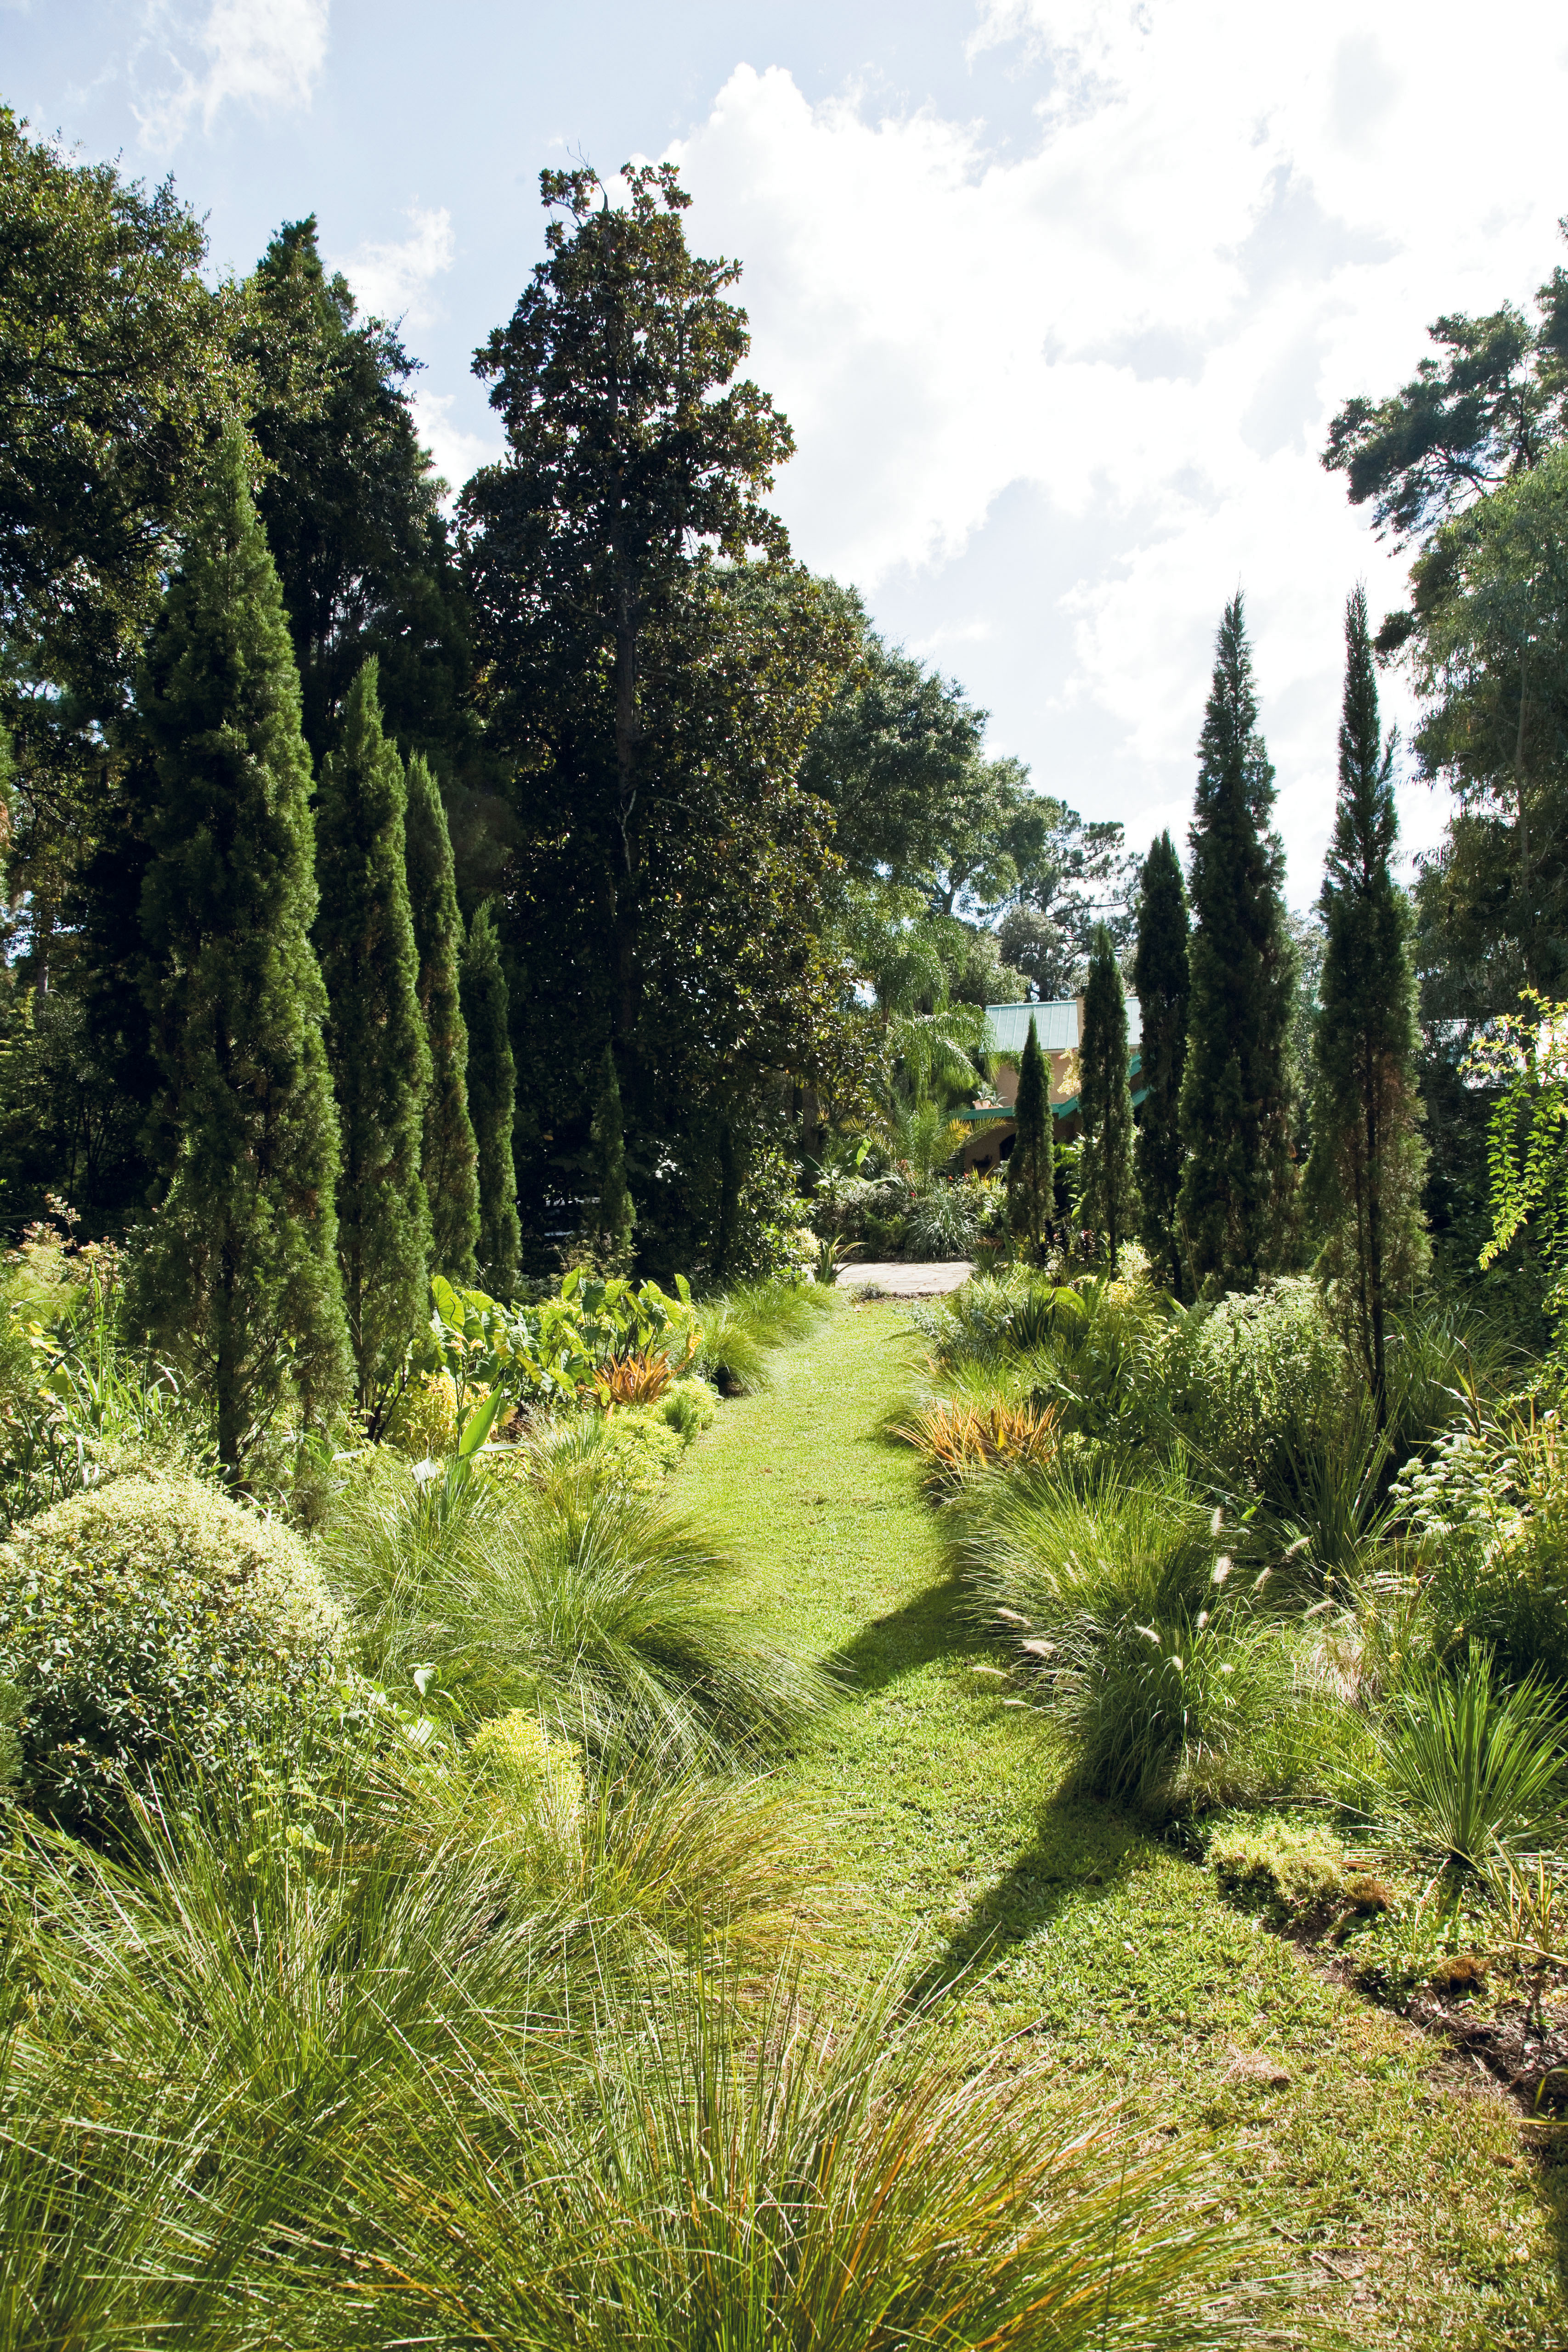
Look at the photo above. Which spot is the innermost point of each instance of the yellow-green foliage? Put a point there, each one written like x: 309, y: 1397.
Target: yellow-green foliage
x: 543, y: 1769
x: 426, y: 1422
x: 1294, y: 1874
x: 150, y: 1620
x: 640, y: 1449
x: 689, y: 1407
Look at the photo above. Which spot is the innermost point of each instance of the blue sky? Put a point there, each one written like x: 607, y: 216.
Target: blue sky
x: 1058, y: 294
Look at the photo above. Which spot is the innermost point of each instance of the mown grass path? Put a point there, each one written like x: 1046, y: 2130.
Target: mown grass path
x: 1433, y: 2220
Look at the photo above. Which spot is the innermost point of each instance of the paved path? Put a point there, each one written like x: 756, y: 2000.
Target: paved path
x: 908, y: 1281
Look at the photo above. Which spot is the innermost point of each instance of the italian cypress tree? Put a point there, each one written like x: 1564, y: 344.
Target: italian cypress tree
x: 613, y: 1219
x: 238, y: 1278
x: 1031, y: 1183
x: 448, y: 1156
x: 1161, y: 980
x: 1368, y: 1162
x: 1237, y: 1183
x: 376, y: 1046
x: 1107, y: 1194
x: 493, y: 1104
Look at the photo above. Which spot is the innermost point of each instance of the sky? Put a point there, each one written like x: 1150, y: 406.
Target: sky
x: 1059, y: 295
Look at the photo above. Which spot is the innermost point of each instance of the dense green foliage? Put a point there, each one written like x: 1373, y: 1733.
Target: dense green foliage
x: 1106, y: 1195
x: 1031, y: 1171
x: 492, y: 1096
x: 377, y: 1047
x: 449, y: 1156
x: 150, y: 1623
x: 1236, y: 1197
x: 238, y: 1276
x: 1367, y: 1163
x: 1161, y: 982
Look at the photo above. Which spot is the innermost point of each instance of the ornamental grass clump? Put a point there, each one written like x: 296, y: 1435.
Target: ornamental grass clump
x: 378, y: 2082
x: 1146, y: 1639
x: 585, y: 1604
x: 957, y: 1438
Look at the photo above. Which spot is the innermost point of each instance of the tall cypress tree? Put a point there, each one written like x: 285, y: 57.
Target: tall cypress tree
x: 376, y: 1046
x: 1237, y: 1185
x: 612, y: 1220
x: 448, y: 1156
x: 1162, y: 980
x: 1107, y: 1194
x: 238, y: 1278
x: 1368, y: 1161
x: 493, y: 1104
x: 1031, y: 1181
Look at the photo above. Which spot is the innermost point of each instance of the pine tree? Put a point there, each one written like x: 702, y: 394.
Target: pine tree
x: 1161, y: 982
x: 1031, y: 1183
x: 1107, y: 1194
x: 238, y: 1278
x: 448, y: 1158
x: 613, y: 1218
x: 1364, y: 1178
x: 1236, y: 1197
x: 492, y: 1102
x: 375, y: 1046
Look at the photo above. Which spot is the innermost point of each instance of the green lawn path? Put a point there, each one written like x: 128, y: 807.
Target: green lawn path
x: 945, y: 1811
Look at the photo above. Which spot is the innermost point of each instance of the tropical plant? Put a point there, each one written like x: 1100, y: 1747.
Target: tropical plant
x: 1472, y: 1767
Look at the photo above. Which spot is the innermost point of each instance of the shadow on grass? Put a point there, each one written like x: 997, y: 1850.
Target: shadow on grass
x: 1079, y: 1849
x: 933, y: 1625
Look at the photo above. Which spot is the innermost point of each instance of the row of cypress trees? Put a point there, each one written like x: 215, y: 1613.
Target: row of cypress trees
x: 336, y: 1087
x: 1211, y: 1177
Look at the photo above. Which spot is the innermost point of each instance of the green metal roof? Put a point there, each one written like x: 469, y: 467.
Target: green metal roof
x: 1055, y: 1026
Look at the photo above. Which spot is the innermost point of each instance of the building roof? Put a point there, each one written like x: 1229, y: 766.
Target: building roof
x: 1055, y: 1026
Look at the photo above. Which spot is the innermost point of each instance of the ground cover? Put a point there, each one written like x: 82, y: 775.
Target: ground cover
x: 1418, y: 2202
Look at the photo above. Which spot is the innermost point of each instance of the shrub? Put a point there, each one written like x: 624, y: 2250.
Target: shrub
x: 689, y: 1407
x: 1471, y: 1767
x: 426, y: 1422
x: 151, y: 1622
x: 1261, y: 1386
x: 534, y: 1763
x: 943, y: 1222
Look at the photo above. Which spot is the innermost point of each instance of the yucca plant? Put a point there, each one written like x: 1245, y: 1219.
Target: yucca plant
x: 1471, y: 1766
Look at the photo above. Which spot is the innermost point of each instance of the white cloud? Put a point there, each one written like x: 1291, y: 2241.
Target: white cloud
x: 458, y: 452
x: 265, y: 53
x: 393, y: 281
x: 1230, y: 219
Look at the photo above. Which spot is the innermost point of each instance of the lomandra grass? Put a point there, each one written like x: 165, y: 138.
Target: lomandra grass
x: 378, y: 2088
x: 587, y: 1606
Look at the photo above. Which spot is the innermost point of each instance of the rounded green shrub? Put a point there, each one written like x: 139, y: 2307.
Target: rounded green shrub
x: 151, y: 1621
